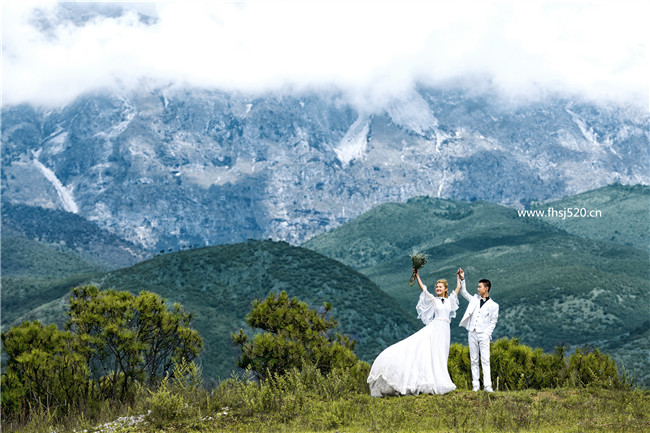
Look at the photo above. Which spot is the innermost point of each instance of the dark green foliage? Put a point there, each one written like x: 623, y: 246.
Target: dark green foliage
x: 44, y: 370
x: 459, y: 366
x: 594, y: 368
x: 515, y: 366
x: 135, y: 338
x: 115, y: 344
x: 294, y: 336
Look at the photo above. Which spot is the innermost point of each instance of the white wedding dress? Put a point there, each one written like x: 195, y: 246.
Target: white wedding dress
x: 418, y: 364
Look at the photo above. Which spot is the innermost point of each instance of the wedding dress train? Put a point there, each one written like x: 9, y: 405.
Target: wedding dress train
x: 418, y: 364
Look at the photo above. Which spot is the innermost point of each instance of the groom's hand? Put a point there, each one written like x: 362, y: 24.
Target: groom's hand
x: 461, y: 273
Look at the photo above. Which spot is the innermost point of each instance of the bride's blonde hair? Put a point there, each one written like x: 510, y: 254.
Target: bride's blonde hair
x: 444, y: 283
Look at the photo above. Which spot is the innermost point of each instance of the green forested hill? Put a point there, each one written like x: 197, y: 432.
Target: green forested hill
x: 557, y: 282
x: 218, y: 284
x: 554, y: 288
x: 34, y: 273
x: 621, y: 214
x: 69, y: 233
x: 22, y: 257
x: 46, y: 251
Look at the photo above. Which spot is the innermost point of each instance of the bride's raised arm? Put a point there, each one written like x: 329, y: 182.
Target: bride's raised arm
x: 422, y: 286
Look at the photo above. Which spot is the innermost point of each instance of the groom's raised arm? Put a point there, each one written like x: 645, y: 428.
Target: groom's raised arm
x: 463, y: 288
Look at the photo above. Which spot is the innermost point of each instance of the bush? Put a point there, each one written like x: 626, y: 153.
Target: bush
x: 114, y: 343
x: 517, y: 367
x: 178, y: 397
x: 165, y: 406
x: 594, y: 368
x: 294, y: 335
x: 133, y: 338
x: 44, y: 371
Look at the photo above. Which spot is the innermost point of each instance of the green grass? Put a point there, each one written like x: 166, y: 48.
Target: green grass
x: 525, y: 411
x: 543, y: 411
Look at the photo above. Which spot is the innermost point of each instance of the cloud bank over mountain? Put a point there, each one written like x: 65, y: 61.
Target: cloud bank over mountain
x: 373, y: 52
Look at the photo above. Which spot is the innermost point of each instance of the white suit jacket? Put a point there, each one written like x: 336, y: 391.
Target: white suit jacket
x: 477, y: 318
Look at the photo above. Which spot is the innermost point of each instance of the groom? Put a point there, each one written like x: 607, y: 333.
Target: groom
x: 480, y: 319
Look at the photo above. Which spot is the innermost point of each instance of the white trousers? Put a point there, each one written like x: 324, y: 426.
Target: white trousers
x: 480, y: 343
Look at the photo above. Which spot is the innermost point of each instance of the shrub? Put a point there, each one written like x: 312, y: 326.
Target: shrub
x: 133, y: 338
x: 165, y: 406
x: 516, y: 367
x: 294, y: 335
x: 44, y: 370
x: 115, y: 342
x: 594, y: 368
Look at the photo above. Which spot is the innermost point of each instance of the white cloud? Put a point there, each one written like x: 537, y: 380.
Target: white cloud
x: 372, y: 50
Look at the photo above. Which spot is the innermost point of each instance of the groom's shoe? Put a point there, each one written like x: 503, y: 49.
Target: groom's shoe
x: 489, y: 389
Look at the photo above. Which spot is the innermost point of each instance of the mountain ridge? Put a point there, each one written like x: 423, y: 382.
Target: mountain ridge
x: 169, y: 167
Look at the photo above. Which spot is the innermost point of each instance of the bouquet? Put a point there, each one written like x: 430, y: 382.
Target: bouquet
x: 418, y: 261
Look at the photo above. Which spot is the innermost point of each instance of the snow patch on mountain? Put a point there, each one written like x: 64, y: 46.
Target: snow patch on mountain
x: 129, y: 113
x: 64, y: 193
x: 355, y: 141
x: 588, y: 133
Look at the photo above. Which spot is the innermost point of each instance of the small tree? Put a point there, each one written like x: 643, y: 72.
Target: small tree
x: 44, y: 369
x: 294, y: 335
x: 594, y: 368
x: 129, y: 338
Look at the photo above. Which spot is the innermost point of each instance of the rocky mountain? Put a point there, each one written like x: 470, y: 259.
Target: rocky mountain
x: 171, y: 168
x: 67, y: 233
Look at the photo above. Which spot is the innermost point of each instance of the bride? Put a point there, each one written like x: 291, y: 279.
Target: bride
x: 418, y: 364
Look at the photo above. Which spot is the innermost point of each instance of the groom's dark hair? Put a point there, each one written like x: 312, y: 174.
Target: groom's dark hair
x: 486, y: 283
